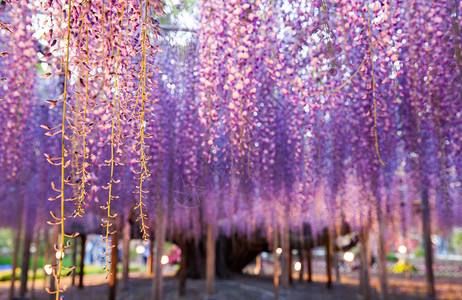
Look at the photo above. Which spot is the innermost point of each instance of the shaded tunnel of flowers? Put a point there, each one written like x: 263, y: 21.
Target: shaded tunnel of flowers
x: 252, y: 124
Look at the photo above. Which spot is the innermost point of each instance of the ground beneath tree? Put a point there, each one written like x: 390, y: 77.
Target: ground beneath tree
x: 253, y: 288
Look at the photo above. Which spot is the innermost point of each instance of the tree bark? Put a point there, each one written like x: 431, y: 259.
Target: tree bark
x: 82, y: 259
x: 113, y: 274
x: 229, y: 259
x: 210, y: 262
x: 126, y: 250
x: 426, y: 224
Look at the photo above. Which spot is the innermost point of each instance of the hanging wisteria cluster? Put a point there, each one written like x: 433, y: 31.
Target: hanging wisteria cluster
x: 306, y: 112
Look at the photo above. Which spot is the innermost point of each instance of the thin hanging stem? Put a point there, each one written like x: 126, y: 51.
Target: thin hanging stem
x: 144, y: 172
x: 374, y: 100
x: 81, y: 202
x: 108, y: 224
x: 63, y: 150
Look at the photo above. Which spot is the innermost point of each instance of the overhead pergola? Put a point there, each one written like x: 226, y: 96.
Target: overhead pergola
x: 269, y: 116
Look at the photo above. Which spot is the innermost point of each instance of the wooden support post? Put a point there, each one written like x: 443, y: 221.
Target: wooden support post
x: 150, y: 257
x: 289, y: 266
x: 301, y: 273
x: 126, y: 250
x: 210, y: 262
x: 54, y: 261
x: 275, y: 263
x: 113, y: 271
x: 336, y: 262
x: 286, y: 265
x: 74, y: 259
x: 301, y: 253
x: 46, y: 250
x: 382, y: 255
x: 309, y: 261
x: 17, y: 240
x: 258, y: 264
x: 157, y: 284
x: 426, y: 224
x: 28, y: 234
x: 335, y: 258
x: 182, y: 281
x: 403, y: 226
x: 83, y: 239
x: 35, y: 261
x: 328, y: 258
x: 365, y: 263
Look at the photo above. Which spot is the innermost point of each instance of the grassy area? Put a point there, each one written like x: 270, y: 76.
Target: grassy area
x: 6, y: 247
x: 92, y: 269
x: 6, y: 257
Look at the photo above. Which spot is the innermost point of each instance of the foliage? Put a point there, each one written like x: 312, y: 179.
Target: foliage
x: 269, y: 114
x: 392, y: 257
x: 419, y: 252
x: 456, y: 241
x: 401, y: 267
